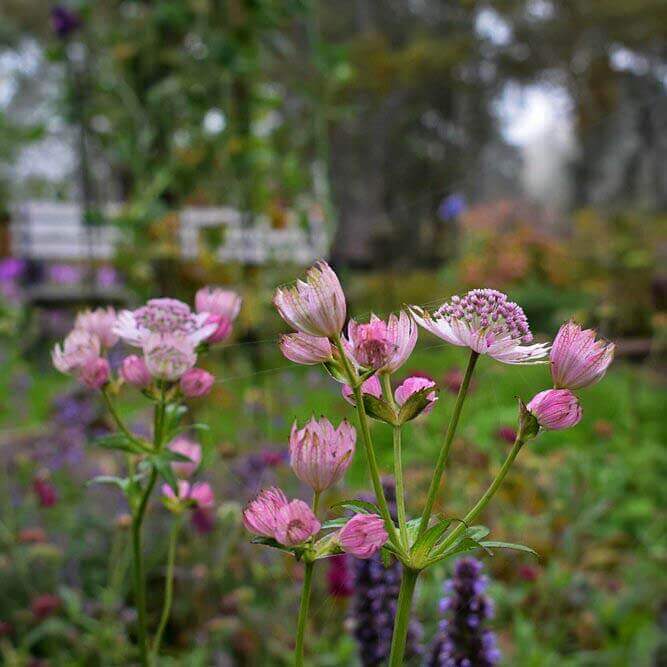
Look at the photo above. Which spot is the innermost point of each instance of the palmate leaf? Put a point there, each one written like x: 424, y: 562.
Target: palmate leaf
x: 422, y: 547
x: 122, y: 443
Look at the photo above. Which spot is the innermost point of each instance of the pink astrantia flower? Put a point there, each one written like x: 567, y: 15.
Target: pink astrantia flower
x: 316, y: 306
x: 134, y: 371
x: 95, y: 373
x: 199, y: 494
x: 163, y: 316
x: 363, y: 535
x: 370, y: 386
x: 320, y: 454
x: 196, y: 382
x: 100, y: 322
x: 412, y: 385
x: 383, y: 346
x: 305, y: 349
x: 259, y: 516
x: 79, y: 348
x: 168, y: 356
x: 555, y: 409
x: 218, y: 301
x: 577, y: 359
x: 295, y: 523
x: 486, y: 322
x: 189, y: 448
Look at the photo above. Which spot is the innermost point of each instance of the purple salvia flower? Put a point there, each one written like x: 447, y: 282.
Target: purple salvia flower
x: 462, y: 640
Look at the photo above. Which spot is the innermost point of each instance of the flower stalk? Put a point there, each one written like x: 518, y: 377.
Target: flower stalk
x: 303, y: 614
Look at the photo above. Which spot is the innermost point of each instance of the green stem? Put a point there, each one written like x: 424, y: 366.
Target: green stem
x: 398, y: 465
x: 449, y: 437
x: 402, y: 620
x: 303, y: 615
x: 484, y: 500
x: 138, y: 568
x: 316, y: 502
x: 168, y: 588
x: 368, y: 447
x: 119, y: 422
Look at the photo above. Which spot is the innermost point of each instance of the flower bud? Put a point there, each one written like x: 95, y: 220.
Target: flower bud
x: 259, y: 516
x: 363, y: 535
x: 196, y: 383
x: 411, y: 386
x: 134, y: 371
x: 95, y: 373
x: 222, y: 331
x: 295, y: 523
x: 370, y: 386
x: 555, y: 409
x: 320, y: 454
x: 305, y: 349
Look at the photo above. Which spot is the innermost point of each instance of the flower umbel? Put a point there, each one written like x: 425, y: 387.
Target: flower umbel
x: 163, y: 316
x: 363, y: 535
x: 259, y: 517
x: 295, y: 523
x: 100, y: 322
x: 317, y: 306
x: 577, y: 359
x: 168, y: 356
x: 320, y: 454
x: 486, y: 322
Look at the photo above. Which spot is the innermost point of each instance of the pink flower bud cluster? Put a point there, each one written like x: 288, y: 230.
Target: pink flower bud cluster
x: 577, y: 361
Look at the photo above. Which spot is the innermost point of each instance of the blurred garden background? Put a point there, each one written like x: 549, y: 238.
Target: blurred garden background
x: 424, y: 147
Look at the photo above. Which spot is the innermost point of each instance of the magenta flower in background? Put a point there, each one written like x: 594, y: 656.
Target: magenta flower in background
x: 95, y: 373
x: 196, y: 383
x: 305, y: 349
x: 134, y: 371
x: 412, y: 385
x: 577, y: 359
x: 339, y: 577
x: 64, y: 21
x: 370, y: 386
x: 45, y: 491
x: 506, y: 433
x: 189, y: 448
x: 486, y: 322
x: 317, y: 306
x: 383, y: 346
x: 163, y: 316
x: 107, y: 276
x: 169, y: 356
x: 78, y: 349
x: 320, y: 454
x: 555, y: 409
x: 259, y: 516
x: 45, y: 605
x: 295, y: 523
x: 11, y: 269
x: 363, y: 535
x: 100, y: 322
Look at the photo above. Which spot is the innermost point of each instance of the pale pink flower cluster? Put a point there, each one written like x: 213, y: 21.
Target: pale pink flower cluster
x: 82, y: 352
x: 194, y: 495
x: 577, y: 360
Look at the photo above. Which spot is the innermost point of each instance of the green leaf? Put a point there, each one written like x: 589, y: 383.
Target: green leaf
x: 273, y: 544
x: 416, y: 404
x: 120, y: 442
x: 386, y: 556
x: 476, y: 533
x: 335, y: 523
x: 173, y: 414
x: 379, y: 409
x: 121, y: 482
x: 336, y: 371
x: 360, y: 506
x: 161, y: 463
x: 491, y: 544
x: 422, y: 547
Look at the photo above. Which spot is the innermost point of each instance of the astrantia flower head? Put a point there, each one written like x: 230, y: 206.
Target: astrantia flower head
x: 316, y: 306
x: 259, y: 516
x: 486, y: 322
x: 363, y: 535
x: 199, y: 494
x: 78, y: 349
x: 218, y: 301
x: 320, y: 454
x: 383, y: 346
x: 577, y: 359
x: 412, y: 385
x: 169, y: 356
x: 305, y: 349
x: 100, y: 322
x: 163, y: 316
x: 295, y: 523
